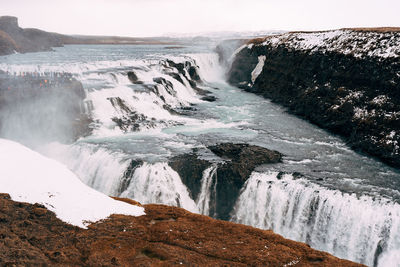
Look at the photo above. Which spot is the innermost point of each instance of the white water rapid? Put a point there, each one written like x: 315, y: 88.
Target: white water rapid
x: 345, y: 203
x: 359, y: 228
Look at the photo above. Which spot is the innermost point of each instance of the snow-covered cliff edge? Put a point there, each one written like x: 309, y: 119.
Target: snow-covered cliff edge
x: 347, y: 81
x: 30, y: 177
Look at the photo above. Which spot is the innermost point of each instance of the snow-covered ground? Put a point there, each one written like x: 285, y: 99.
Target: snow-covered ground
x: 356, y: 43
x: 30, y: 177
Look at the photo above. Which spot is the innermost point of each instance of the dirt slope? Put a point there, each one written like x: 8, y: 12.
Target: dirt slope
x: 165, y: 236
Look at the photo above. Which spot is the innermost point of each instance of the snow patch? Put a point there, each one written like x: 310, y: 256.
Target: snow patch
x: 380, y: 100
x: 30, y: 177
x: 358, y: 44
x: 258, y: 69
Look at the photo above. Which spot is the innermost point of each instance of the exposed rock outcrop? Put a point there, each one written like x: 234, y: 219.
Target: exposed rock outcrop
x: 30, y: 235
x: 21, y: 40
x: 237, y: 162
x: 186, y: 69
x: 347, y: 81
x: 133, y: 78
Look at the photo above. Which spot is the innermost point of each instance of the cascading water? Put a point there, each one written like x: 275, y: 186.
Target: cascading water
x: 158, y: 183
x: 208, y: 191
x: 162, y: 115
x: 209, y: 68
x: 359, y: 228
x: 109, y: 172
x: 97, y: 167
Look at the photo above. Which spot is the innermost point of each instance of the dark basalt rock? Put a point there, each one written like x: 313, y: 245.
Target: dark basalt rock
x: 179, y: 66
x: 129, y: 120
x: 245, y: 157
x: 169, y: 87
x: 190, y: 169
x: 128, y: 174
x: 176, y: 76
x: 209, y: 98
x: 238, y: 162
x: 328, y: 88
x: 194, y: 74
x: 133, y: 78
x: 191, y: 70
x: 241, y: 160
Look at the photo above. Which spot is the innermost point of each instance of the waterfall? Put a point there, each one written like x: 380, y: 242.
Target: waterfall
x: 159, y: 183
x: 97, y: 167
x: 109, y: 172
x: 209, y: 68
x: 358, y: 228
x: 208, y: 191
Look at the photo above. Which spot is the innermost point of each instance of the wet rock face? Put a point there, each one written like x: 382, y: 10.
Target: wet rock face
x: 133, y: 78
x: 46, y: 107
x: 184, y: 69
x: 240, y: 162
x: 190, y: 168
x: 247, y: 156
x: 357, y: 97
x: 30, y: 235
x: 128, y: 175
x: 209, y: 98
x: 129, y: 120
x: 237, y: 163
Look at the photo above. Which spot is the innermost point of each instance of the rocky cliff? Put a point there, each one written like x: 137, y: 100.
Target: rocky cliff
x: 31, y: 235
x: 227, y: 174
x: 15, y: 39
x: 346, y: 81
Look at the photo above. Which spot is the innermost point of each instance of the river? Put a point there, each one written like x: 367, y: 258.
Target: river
x: 342, y: 202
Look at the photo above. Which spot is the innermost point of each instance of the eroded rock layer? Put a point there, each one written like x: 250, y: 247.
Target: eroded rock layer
x: 235, y: 165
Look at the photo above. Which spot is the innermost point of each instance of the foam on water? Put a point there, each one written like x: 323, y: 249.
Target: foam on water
x: 97, y: 167
x: 209, y: 68
x: 359, y: 228
x: 158, y: 183
x: 208, y: 191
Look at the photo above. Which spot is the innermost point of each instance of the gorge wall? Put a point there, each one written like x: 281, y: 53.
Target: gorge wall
x: 346, y: 81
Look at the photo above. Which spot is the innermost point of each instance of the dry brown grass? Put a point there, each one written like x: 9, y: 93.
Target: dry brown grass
x: 375, y: 29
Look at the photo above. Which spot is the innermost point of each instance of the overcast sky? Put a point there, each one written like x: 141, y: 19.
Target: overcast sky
x: 160, y: 17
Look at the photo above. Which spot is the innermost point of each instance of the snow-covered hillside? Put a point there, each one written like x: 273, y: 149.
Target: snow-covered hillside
x: 30, y: 177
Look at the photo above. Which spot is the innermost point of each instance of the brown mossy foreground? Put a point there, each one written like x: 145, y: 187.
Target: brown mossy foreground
x: 30, y: 235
